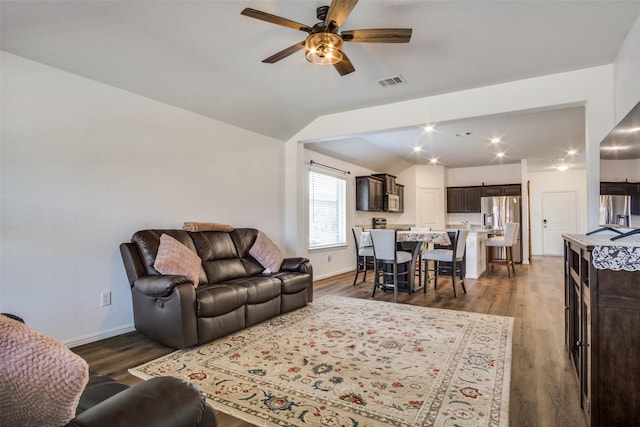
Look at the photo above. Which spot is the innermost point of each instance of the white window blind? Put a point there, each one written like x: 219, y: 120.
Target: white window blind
x: 327, y: 213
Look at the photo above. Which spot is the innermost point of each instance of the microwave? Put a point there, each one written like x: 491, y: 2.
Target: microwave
x: 391, y: 203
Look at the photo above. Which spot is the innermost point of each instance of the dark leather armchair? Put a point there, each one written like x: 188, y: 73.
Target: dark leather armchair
x: 159, y: 402
x: 28, y: 399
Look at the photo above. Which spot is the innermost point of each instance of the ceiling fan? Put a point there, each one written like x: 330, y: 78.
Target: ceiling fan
x: 324, y: 45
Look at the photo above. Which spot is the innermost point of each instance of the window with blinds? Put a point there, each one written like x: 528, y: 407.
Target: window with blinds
x: 327, y: 210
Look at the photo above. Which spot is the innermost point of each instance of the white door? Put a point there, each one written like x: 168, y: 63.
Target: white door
x: 430, y: 209
x: 558, y: 218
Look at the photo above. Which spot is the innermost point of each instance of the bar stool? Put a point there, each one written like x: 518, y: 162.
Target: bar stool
x: 507, y: 242
x: 364, y: 255
x: 423, y: 248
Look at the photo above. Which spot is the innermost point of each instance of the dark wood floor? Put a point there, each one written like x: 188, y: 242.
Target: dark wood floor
x: 544, y: 390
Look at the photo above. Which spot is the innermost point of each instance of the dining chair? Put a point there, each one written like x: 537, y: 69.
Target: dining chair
x: 387, y: 260
x: 364, y: 255
x: 507, y: 242
x: 448, y: 260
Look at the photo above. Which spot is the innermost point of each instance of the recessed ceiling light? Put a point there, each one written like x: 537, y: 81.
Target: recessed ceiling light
x: 495, y: 140
x: 572, y: 152
x: 429, y: 128
x: 614, y: 147
x: 629, y: 130
x: 433, y: 161
x: 500, y: 154
x: 417, y: 149
x: 562, y: 168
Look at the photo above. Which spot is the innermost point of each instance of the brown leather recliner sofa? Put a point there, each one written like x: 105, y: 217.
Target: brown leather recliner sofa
x: 233, y: 293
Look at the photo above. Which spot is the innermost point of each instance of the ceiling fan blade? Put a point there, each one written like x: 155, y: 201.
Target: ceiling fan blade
x: 284, y: 53
x: 338, y: 12
x: 345, y: 66
x: 378, y: 35
x: 264, y: 16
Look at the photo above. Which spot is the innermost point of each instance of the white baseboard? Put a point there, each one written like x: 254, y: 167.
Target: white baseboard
x: 334, y: 273
x: 87, y: 339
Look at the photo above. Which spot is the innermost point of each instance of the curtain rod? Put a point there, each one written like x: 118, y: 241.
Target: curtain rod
x: 311, y: 163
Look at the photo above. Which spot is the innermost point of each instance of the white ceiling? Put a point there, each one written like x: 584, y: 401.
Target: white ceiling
x: 544, y: 138
x: 204, y: 56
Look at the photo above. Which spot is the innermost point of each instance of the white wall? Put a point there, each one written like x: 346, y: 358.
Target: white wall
x: 571, y: 180
x: 85, y: 165
x: 484, y: 175
x: 626, y: 71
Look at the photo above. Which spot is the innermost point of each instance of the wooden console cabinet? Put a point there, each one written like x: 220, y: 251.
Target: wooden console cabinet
x: 602, y: 335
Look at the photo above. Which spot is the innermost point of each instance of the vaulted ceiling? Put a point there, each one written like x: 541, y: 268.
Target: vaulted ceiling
x: 205, y: 57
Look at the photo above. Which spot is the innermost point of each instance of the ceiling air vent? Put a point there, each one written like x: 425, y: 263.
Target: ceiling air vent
x: 392, y: 81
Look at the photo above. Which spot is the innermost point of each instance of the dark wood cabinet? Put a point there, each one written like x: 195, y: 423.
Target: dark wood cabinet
x: 389, y: 183
x: 512, y: 190
x: 501, y: 190
x: 602, y: 314
x: 463, y: 199
x: 455, y: 199
x: 468, y: 199
x: 614, y: 188
x: 369, y: 193
x: 472, y: 196
x: 634, y: 192
x: 400, y: 189
x: 373, y: 193
x: 492, y: 190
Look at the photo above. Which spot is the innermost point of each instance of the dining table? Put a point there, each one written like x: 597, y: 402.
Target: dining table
x: 412, y: 241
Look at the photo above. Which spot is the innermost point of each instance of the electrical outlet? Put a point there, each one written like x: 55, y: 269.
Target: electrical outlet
x: 105, y: 298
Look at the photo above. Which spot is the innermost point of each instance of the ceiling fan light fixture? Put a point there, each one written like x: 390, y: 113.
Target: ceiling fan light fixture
x: 323, y: 48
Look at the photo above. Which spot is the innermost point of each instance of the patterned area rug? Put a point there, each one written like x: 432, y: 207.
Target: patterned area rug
x: 353, y: 362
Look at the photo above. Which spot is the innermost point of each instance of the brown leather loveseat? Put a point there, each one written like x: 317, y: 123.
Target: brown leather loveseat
x: 234, y: 291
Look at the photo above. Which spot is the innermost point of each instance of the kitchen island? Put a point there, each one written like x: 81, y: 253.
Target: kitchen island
x: 602, y: 324
x: 476, y: 253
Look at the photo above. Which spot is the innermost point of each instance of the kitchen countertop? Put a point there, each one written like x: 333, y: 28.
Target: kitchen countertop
x: 604, y: 239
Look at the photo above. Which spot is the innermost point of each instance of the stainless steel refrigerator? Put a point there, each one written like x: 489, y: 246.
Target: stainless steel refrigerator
x: 615, y: 210
x: 499, y: 210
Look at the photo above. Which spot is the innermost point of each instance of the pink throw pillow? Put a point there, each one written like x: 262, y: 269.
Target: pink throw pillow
x: 267, y: 253
x: 176, y: 259
x: 41, y: 380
